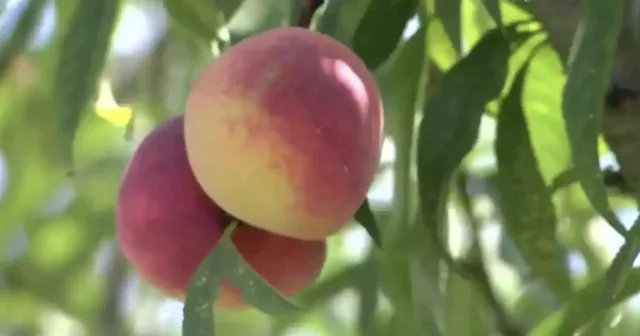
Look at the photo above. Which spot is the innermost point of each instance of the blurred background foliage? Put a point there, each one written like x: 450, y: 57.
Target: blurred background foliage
x: 61, y: 272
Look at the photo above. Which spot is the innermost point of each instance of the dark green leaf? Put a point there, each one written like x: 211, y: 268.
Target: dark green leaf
x: 529, y: 213
x: 85, y: 46
x: 493, y: 8
x: 225, y: 263
x: 340, y: 19
x: 584, y: 305
x: 450, y: 14
x: 365, y: 217
x: 451, y: 121
x: 589, y: 73
x: 373, y: 41
x: 21, y: 35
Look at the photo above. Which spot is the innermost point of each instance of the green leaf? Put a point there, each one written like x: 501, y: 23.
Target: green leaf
x: 200, y: 17
x: 463, y: 299
x: 584, y: 305
x: 398, y: 80
x: 374, y: 42
x: 493, y: 8
x: 617, y: 273
x: 340, y: 19
x: 450, y: 126
x: 225, y: 263
x: 368, y: 306
x: 530, y: 216
x: 85, y: 47
x: 589, y: 74
x: 365, y: 217
x: 450, y: 14
x: 21, y: 34
x: 256, y: 16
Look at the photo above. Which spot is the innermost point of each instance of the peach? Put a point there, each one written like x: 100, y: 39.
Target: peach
x: 166, y: 226
x: 284, y: 131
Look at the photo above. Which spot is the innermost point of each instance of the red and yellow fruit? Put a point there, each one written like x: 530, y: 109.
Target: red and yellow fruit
x: 166, y: 225
x: 284, y: 131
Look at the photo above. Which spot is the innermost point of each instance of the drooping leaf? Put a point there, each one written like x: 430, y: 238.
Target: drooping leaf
x: 82, y: 58
x: 373, y: 41
x: 20, y: 36
x: 365, y: 217
x: 529, y: 213
x: 450, y: 14
x: 588, y: 78
x: 224, y: 263
x: 451, y: 121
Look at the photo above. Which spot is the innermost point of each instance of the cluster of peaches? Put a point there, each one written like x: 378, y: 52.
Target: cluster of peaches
x: 281, y: 134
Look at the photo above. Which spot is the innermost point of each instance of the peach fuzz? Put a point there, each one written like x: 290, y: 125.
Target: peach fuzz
x: 166, y: 226
x: 284, y: 131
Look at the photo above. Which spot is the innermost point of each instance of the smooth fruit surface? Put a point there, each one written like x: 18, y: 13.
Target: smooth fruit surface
x: 166, y: 225
x: 284, y: 131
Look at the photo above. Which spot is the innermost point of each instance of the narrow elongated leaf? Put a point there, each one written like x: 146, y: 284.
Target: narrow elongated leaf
x: 368, y: 307
x: 225, y: 263
x: 373, y: 41
x: 584, y: 305
x: 450, y: 14
x: 530, y: 217
x: 83, y: 55
x: 451, y: 121
x: 615, y: 278
x: 399, y: 79
x: 589, y: 73
x: 340, y: 19
x: 365, y: 217
x: 21, y: 34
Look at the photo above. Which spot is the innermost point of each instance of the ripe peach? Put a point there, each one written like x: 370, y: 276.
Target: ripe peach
x: 284, y: 131
x: 166, y: 226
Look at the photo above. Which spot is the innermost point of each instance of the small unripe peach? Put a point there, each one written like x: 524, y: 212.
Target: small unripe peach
x: 166, y: 226
x: 284, y: 131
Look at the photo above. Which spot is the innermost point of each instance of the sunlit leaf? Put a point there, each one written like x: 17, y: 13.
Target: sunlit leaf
x: 83, y: 55
x: 493, y: 8
x: 530, y: 217
x: 450, y: 14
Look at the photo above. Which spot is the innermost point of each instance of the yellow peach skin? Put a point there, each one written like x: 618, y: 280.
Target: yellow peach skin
x: 284, y: 131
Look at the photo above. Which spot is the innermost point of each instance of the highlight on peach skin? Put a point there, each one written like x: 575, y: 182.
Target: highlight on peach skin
x: 285, y: 131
